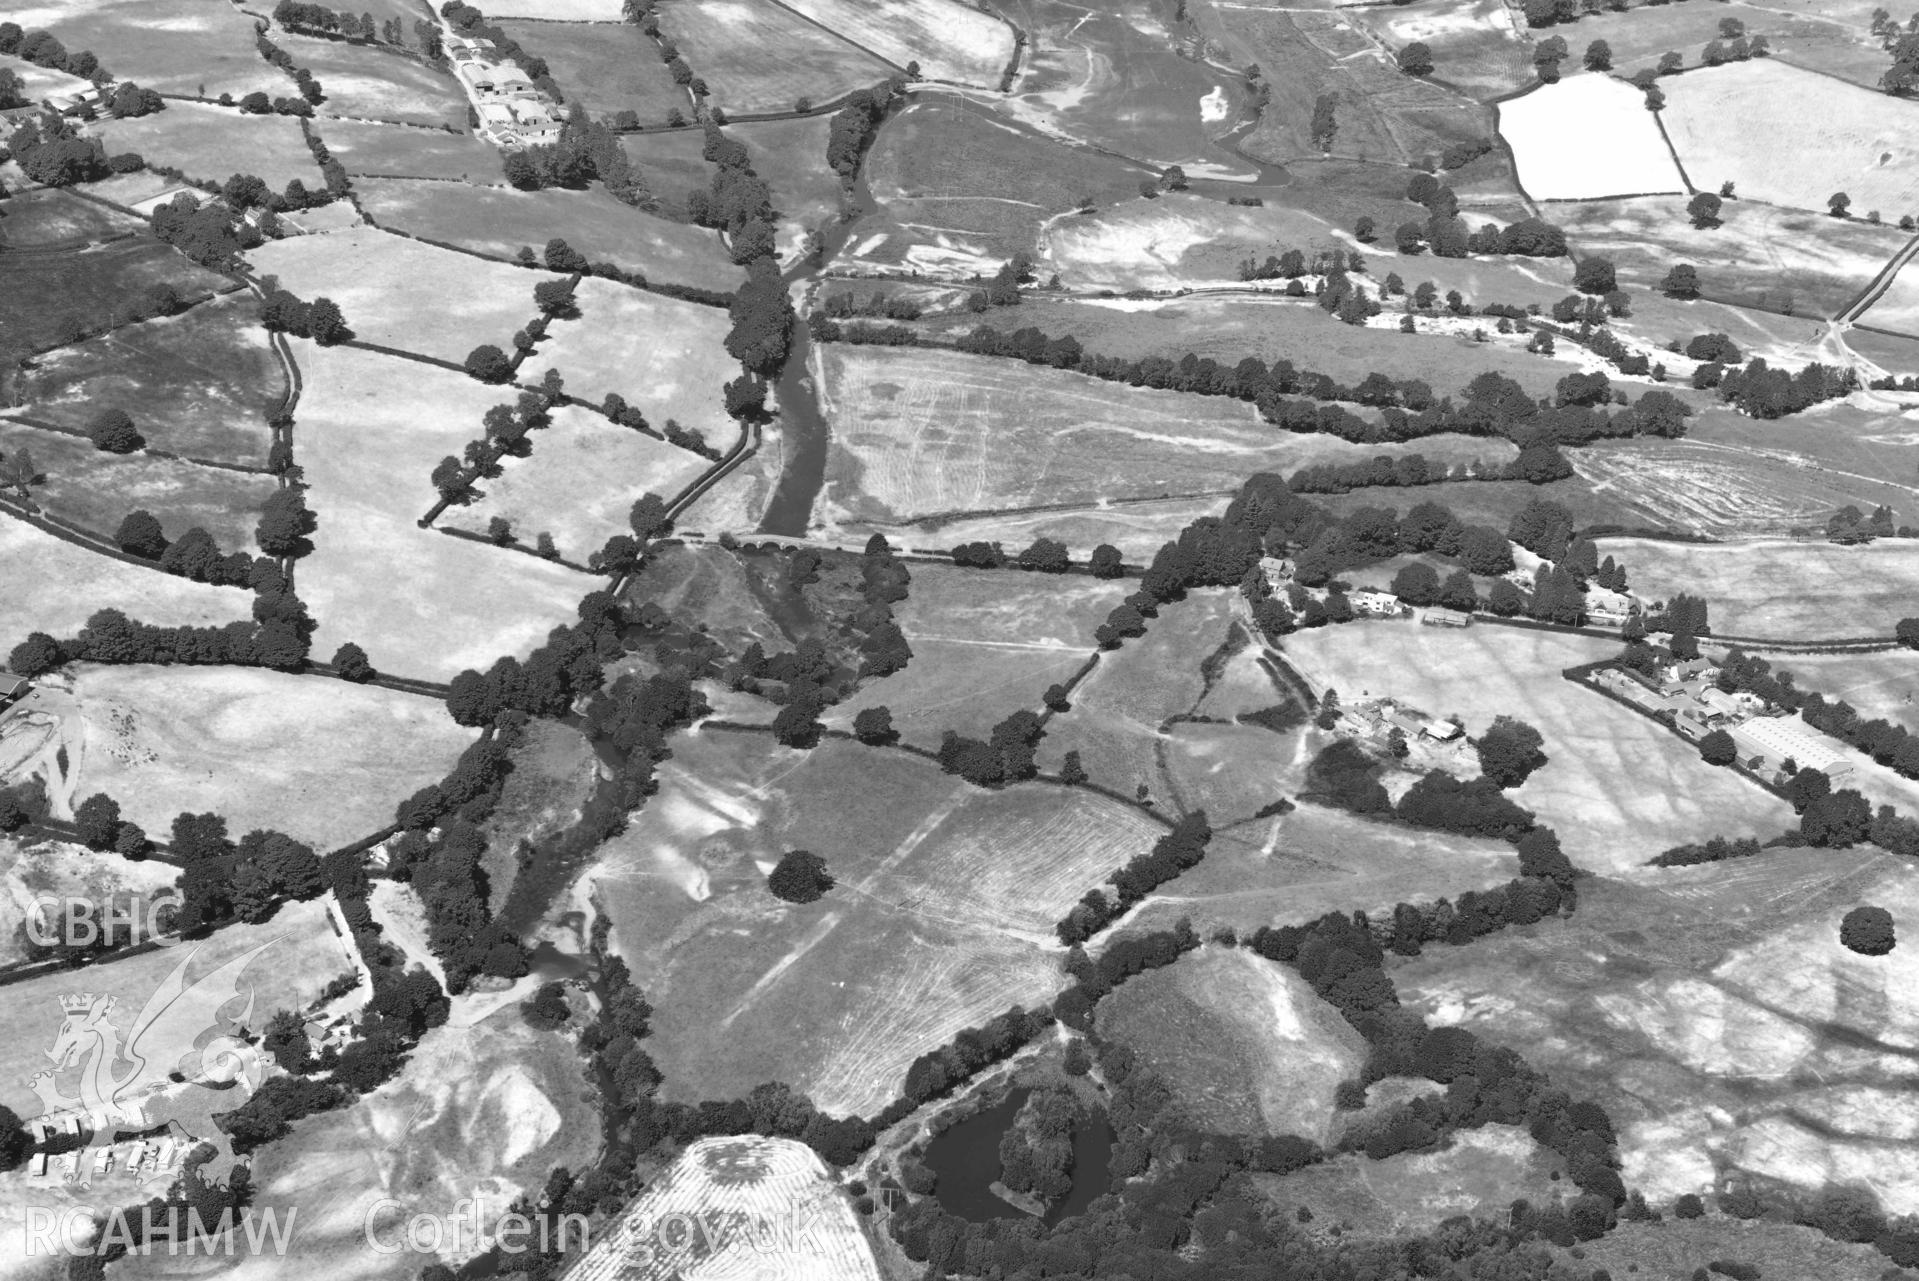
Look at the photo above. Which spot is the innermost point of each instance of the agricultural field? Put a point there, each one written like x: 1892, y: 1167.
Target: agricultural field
x: 558, y: 10
x: 1640, y: 36
x: 582, y: 479
x: 751, y: 1182
x: 664, y: 356
x: 374, y: 82
x: 29, y: 868
x: 1762, y: 256
x: 212, y: 143
x: 176, y: 46
x: 1476, y: 44
x: 984, y: 645
x: 788, y: 154
x: 1879, y: 684
x: 1480, y: 1173
x: 361, y: 269
x: 370, y: 149
x: 1586, y: 137
x: 1897, y: 309
x: 1735, y: 122
x: 1177, y: 241
x: 53, y: 219
x: 1781, y: 589
x: 919, y: 433
x: 1672, y: 1246
x: 1243, y: 1041
x: 606, y: 67
x: 1115, y: 79
x: 1136, y: 527
x: 1714, y: 1014
x: 421, y: 603
x: 949, y: 40
x: 1618, y: 787
x: 96, y: 490
x: 941, y: 918
x: 162, y: 741
x: 739, y: 501
x: 202, y: 383
x: 762, y: 58
x: 498, y: 221
x: 52, y: 299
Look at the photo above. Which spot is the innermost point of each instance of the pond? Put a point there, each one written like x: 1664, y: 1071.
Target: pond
x: 966, y: 1159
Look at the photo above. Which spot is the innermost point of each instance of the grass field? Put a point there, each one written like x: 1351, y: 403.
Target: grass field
x: 786, y: 153
x: 1642, y: 34
x: 367, y: 272
x: 1714, y: 1014
x: 1177, y: 241
x: 163, y: 740
x: 1479, y: 1173
x: 53, y: 219
x: 201, y: 383
x: 606, y: 67
x: 984, y: 645
x: 419, y: 602
x: 949, y: 40
x: 672, y: 164
x: 553, y: 776
x: 40, y: 573
x: 1136, y: 528
x: 1244, y: 1043
x: 29, y: 868
x: 96, y: 490
x: 499, y: 220
x: 923, y: 432
x: 175, y: 46
x: 1585, y: 137
x: 1734, y: 122
x: 302, y: 954
x: 763, y: 58
x: 1670, y: 1247
x: 1883, y: 684
x: 582, y: 479
x: 739, y: 500
x: 366, y: 148
x: 1762, y: 256
x: 374, y: 83
x: 1893, y: 353
x: 560, y: 10
x: 49, y: 298
x: 666, y: 357
x: 1898, y: 308
x: 214, y: 143
x: 748, y: 1181
x: 1782, y: 589
x: 1476, y: 44
x: 1618, y: 788
x: 942, y: 915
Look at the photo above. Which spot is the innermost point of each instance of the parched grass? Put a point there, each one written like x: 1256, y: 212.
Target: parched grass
x: 1588, y: 136
x: 919, y: 433
x: 582, y: 479
x: 1476, y: 44
x: 1137, y: 529
x: 985, y: 644
x: 1734, y: 122
x: 201, y: 384
x: 1230, y: 771
x: 47, y: 298
x: 941, y: 916
x: 295, y: 955
x: 500, y: 220
x: 50, y: 218
x: 1883, y: 684
x: 1479, y: 1173
x: 1898, y: 308
x: 96, y: 490
x: 739, y: 501
x: 163, y: 740
x: 53, y: 586
x: 1245, y: 1045
x: 398, y: 151
x: 763, y: 58
x: 1643, y: 34
x: 31, y: 867
x: 606, y: 67
x: 175, y: 46
x: 372, y: 275
x: 1761, y: 256
x: 1781, y: 589
x: 666, y: 357
x: 375, y: 82
x: 949, y: 40
x: 1178, y: 241
x: 421, y: 603
x: 214, y: 143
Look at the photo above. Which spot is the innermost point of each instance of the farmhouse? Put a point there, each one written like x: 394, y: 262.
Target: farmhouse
x: 1769, y: 742
x: 1377, y: 604
x: 1607, y: 607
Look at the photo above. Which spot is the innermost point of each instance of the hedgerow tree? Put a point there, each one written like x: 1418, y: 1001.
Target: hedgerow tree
x: 799, y: 877
x: 112, y: 432
x: 1717, y: 748
x: 1416, y: 59
x: 98, y: 821
x: 489, y: 364
x: 1509, y: 751
x: 1868, y: 931
x: 1595, y: 275
x: 350, y: 662
x: 1704, y: 209
x: 874, y: 725
x: 1906, y: 631
x: 1598, y: 56
x: 1681, y: 282
x: 140, y: 535
x: 1838, y: 203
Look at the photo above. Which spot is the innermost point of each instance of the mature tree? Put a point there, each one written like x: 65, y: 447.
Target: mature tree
x: 1417, y: 583
x: 1071, y: 772
x: 284, y: 524
x: 18, y: 471
x: 1704, y: 209
x: 350, y: 662
x: 799, y: 877
x: 1509, y: 751
x: 874, y: 725
x: 37, y: 655
x: 1106, y: 562
x: 1838, y: 203
x: 1868, y: 931
x: 1681, y: 282
x: 1717, y: 748
x: 1906, y: 631
x: 1457, y: 592
x: 1599, y: 56
x: 1542, y: 527
x: 140, y: 535
x: 1048, y: 555
x: 1595, y: 275
x: 1416, y: 59
x: 98, y: 820
x: 112, y: 431
x: 797, y: 724
x: 648, y: 518
x: 489, y: 364
x: 325, y: 324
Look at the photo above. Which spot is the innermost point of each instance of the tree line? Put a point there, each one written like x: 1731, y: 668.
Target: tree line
x: 43, y: 49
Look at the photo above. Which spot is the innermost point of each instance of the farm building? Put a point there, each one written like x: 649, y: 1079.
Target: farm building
x: 1442, y: 617
x: 1375, y: 603
x: 12, y: 688
x: 1775, y: 740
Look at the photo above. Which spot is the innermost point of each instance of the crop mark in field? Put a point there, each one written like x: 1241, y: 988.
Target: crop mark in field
x: 813, y: 936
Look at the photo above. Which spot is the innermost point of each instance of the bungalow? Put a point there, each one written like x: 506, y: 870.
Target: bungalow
x: 1378, y: 604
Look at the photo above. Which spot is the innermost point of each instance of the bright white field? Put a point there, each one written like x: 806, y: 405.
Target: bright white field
x: 162, y: 740
x: 32, y: 868
x: 1897, y: 308
x: 750, y: 1195
x: 1780, y: 589
x: 1585, y: 137
x: 579, y: 484
x: 1175, y: 241
x: 1795, y: 137
x: 408, y: 295
x: 1617, y: 787
x: 421, y: 603
x: 949, y: 40
x: 666, y: 357
x: 558, y: 10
